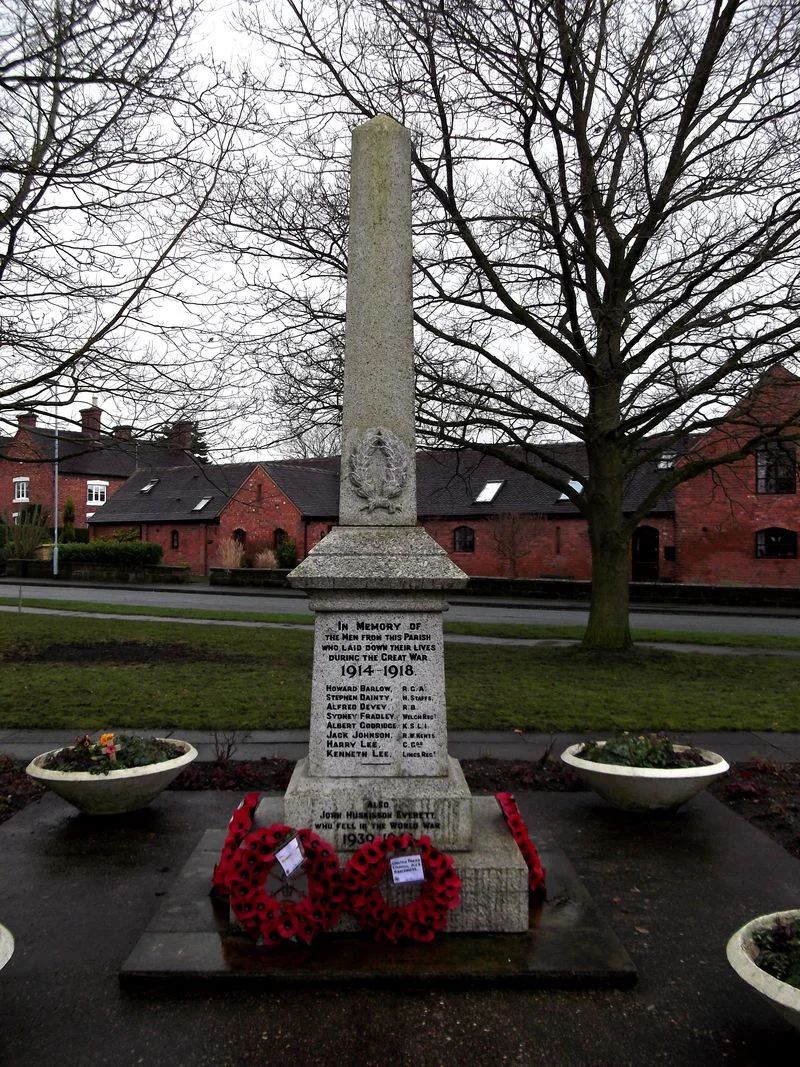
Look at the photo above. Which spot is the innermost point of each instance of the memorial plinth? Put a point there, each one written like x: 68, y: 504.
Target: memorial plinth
x: 378, y: 586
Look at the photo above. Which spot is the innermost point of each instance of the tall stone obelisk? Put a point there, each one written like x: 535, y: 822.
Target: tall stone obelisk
x: 378, y: 583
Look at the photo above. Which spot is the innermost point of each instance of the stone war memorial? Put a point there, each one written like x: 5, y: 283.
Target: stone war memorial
x: 378, y: 584
x: 378, y: 765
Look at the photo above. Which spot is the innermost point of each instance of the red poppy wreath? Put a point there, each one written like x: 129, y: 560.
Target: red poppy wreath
x: 519, y: 832
x: 240, y: 823
x: 268, y: 918
x: 418, y: 920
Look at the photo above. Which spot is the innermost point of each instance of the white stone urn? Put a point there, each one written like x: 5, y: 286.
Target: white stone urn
x: 6, y: 946
x: 742, y: 955
x: 646, y: 788
x: 118, y: 791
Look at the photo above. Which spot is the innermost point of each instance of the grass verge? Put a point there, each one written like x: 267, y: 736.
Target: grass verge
x: 69, y: 672
x: 506, y: 631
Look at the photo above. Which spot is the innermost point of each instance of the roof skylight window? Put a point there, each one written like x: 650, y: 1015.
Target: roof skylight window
x: 202, y: 503
x: 489, y: 492
x: 574, y: 483
x: 149, y: 485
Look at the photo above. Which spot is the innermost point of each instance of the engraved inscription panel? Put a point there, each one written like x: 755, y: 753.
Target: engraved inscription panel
x: 377, y: 705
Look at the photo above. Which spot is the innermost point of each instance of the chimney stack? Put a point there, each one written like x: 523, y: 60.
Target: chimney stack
x: 123, y: 433
x: 26, y: 421
x: 90, y: 421
x: 181, y: 433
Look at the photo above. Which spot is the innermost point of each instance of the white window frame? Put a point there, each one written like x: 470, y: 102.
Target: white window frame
x: 93, y: 491
x: 22, y: 487
x: 202, y: 503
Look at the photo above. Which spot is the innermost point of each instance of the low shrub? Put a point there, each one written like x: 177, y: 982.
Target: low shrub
x: 286, y: 553
x: 113, y: 553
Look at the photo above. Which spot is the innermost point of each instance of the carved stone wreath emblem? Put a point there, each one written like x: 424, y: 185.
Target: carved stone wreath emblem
x: 379, y: 469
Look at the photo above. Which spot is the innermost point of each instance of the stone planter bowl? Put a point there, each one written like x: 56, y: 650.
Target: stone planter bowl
x: 742, y: 953
x: 116, y: 792
x: 6, y: 946
x: 645, y: 788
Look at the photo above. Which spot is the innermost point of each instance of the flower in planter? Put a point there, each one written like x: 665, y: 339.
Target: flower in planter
x: 641, y: 750
x: 111, y: 752
x: 779, y: 950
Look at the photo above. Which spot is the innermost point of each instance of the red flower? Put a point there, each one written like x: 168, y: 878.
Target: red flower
x: 419, y: 919
x: 516, y: 824
x: 261, y: 914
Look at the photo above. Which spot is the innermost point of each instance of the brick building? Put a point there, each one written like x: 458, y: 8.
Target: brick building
x: 735, y: 524
x: 92, y: 465
x: 189, y: 510
x: 491, y: 518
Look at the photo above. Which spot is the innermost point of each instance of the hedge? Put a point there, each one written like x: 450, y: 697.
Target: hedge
x: 114, y: 553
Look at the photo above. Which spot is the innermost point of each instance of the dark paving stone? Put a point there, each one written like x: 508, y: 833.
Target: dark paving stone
x: 191, y: 940
x: 77, y: 894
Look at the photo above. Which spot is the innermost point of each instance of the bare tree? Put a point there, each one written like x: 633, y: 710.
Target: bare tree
x: 513, y: 535
x: 113, y: 137
x: 607, y: 225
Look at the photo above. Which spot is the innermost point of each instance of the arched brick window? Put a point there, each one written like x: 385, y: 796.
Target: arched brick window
x: 175, y: 540
x: 463, y: 539
x: 776, y: 543
x: 279, y: 536
x: 239, y: 536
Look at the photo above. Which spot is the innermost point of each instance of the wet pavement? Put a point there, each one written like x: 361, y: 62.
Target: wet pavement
x: 78, y: 892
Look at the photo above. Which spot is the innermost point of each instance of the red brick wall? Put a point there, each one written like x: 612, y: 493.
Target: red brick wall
x: 550, y: 547
x: 717, y: 517
x: 719, y: 513
x: 259, y: 508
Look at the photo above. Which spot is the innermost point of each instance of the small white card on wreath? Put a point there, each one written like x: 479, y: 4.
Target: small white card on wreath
x: 407, y: 869
x: 290, y: 856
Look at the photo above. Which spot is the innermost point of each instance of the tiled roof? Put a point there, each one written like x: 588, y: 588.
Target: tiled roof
x: 311, y: 484
x: 175, y: 493
x: 448, y: 483
x: 106, y: 455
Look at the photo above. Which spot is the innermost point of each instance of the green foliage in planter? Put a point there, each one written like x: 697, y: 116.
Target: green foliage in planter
x: 111, y: 753
x: 114, y: 553
x: 641, y: 750
x: 779, y: 950
x: 286, y: 553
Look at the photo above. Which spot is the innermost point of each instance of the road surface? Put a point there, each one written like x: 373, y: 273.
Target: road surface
x: 462, y: 610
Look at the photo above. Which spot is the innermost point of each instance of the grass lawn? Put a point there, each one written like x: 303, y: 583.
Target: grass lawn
x: 510, y: 631
x: 70, y: 672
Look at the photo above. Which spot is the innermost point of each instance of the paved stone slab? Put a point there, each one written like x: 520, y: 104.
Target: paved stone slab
x: 190, y: 940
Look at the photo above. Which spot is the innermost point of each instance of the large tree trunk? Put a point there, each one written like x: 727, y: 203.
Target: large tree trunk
x: 609, y: 532
x: 608, y: 626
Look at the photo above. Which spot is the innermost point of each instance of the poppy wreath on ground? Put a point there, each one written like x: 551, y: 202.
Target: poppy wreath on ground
x: 268, y: 918
x: 519, y: 832
x: 418, y: 920
x: 240, y: 822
